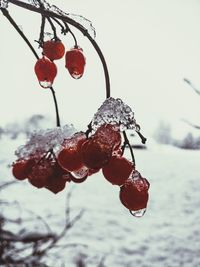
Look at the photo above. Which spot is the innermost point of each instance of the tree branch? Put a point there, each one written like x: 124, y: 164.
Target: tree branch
x: 191, y: 85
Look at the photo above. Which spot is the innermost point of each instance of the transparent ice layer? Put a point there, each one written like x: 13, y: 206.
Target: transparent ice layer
x: 115, y: 111
x: 3, y: 3
x: 42, y: 141
x: 87, y: 24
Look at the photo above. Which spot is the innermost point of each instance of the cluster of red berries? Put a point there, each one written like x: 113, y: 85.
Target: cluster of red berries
x: 81, y: 156
x: 45, y: 68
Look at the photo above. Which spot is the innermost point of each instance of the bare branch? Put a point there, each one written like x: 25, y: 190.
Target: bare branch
x: 191, y: 124
x: 192, y: 86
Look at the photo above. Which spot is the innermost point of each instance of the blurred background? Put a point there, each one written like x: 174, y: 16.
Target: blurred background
x: 150, y: 48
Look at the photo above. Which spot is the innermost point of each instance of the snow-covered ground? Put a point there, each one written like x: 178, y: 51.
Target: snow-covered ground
x: 167, y: 236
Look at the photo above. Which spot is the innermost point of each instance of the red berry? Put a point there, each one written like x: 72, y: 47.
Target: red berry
x: 55, y: 184
x: 75, y: 62
x: 69, y: 158
x: 45, y: 71
x: 95, y: 154
x: 53, y: 49
x: 22, y: 168
x: 134, y: 194
x: 110, y: 134
x: 40, y: 173
x: 117, y: 170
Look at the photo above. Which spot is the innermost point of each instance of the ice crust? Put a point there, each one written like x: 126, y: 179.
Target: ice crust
x: 115, y: 111
x: 87, y: 24
x: 42, y: 141
x: 3, y: 3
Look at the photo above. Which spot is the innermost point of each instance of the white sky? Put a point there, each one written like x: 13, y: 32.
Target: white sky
x: 150, y: 46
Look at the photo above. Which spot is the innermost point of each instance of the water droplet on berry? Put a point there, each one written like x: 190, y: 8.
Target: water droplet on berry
x: 45, y: 84
x: 138, y: 213
x: 76, y: 75
x: 82, y: 172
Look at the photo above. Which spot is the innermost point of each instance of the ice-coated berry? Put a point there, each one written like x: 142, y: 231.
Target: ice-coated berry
x: 53, y: 49
x: 55, y: 184
x: 109, y: 134
x: 117, y: 170
x: 40, y: 172
x: 95, y: 153
x: 22, y: 168
x: 45, y: 71
x: 69, y: 158
x: 134, y: 194
x: 75, y: 62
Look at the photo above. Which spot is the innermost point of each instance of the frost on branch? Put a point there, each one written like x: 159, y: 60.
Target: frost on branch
x: 44, y: 140
x: 3, y: 3
x: 115, y: 111
x: 87, y: 24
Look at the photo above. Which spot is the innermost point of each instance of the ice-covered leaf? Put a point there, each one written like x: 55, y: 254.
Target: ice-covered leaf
x: 42, y: 141
x: 115, y: 111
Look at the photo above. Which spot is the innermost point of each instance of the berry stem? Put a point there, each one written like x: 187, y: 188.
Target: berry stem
x: 126, y: 142
x: 13, y: 23
x: 56, y: 107
x: 143, y: 139
x: 41, y: 38
x: 64, y: 30
x: 53, y: 29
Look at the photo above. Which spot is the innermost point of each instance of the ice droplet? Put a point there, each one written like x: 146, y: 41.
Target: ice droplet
x: 3, y: 3
x: 76, y: 75
x: 138, y: 213
x: 81, y: 173
x: 45, y: 84
x: 114, y: 111
x: 42, y: 141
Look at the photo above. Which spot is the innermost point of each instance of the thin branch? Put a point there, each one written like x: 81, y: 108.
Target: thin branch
x: 191, y: 124
x: 53, y: 29
x: 41, y: 38
x: 191, y: 85
x: 7, y: 15
x: 2, y: 186
x: 126, y: 142
x: 56, y: 107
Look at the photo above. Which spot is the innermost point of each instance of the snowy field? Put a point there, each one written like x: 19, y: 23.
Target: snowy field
x: 167, y: 236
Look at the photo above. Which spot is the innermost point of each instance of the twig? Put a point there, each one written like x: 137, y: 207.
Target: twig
x: 191, y: 85
x: 191, y: 124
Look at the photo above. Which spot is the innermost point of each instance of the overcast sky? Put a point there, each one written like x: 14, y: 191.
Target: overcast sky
x: 149, y: 45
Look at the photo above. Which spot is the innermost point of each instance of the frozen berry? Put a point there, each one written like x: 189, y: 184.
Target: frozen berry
x: 117, y: 170
x: 22, y: 168
x: 75, y: 62
x: 134, y: 194
x: 53, y: 49
x: 55, y: 184
x: 109, y: 134
x: 95, y: 154
x: 40, y: 173
x: 45, y: 71
x: 69, y: 158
